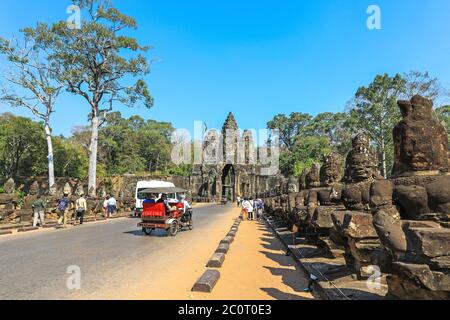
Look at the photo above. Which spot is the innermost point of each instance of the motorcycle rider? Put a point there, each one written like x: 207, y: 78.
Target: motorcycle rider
x: 186, y: 206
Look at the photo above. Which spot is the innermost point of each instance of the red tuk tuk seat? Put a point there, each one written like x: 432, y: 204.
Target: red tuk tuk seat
x: 154, y: 210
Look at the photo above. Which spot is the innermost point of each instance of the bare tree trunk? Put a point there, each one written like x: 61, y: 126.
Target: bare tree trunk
x: 383, y: 156
x: 51, y: 166
x: 93, y: 148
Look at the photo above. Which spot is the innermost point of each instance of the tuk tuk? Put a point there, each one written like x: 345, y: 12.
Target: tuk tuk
x: 167, y: 214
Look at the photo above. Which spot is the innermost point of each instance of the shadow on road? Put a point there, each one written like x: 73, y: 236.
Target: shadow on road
x: 155, y: 234
x: 283, y: 296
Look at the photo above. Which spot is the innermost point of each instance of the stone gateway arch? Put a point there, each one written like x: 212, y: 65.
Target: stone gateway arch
x: 235, y: 174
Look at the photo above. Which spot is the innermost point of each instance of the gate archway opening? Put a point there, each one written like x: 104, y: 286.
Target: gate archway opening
x: 229, y: 183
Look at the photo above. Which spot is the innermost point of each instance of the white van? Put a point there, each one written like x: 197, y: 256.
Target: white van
x: 142, y: 185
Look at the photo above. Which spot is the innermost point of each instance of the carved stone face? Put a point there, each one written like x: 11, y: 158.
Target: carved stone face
x: 313, y: 177
x: 361, y: 162
x: 34, y: 189
x: 331, y: 170
x: 79, y: 191
x: 363, y: 166
x: 9, y: 186
x: 293, y: 185
x: 420, y: 140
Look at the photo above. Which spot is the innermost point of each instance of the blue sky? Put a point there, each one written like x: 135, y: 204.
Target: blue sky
x: 259, y: 58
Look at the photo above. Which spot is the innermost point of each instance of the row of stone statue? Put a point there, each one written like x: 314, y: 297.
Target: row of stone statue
x: 401, y: 225
x: 17, y: 209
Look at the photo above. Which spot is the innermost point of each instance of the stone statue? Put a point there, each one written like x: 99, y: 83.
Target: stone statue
x: 293, y: 185
x: 421, y: 141
x: 360, y: 171
x: 361, y: 164
x: 331, y: 171
x: 303, y: 179
x: 67, y: 189
x: 34, y: 189
x: 313, y: 177
x: 9, y: 186
x: 79, y: 191
x: 418, y: 245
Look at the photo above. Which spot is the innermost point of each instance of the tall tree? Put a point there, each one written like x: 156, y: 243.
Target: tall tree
x: 376, y: 113
x: 421, y: 83
x: 337, y: 127
x: 97, y: 62
x: 33, y: 75
x: 289, y: 127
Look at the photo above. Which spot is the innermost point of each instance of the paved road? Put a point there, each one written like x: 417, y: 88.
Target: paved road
x: 109, y: 254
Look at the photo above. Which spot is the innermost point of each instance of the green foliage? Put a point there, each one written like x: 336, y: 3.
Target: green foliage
x: 337, y: 127
x: 131, y: 145
x: 289, y: 127
x: 181, y: 171
x: 70, y: 158
x: 23, y: 148
x: 20, y: 197
x: 2, y: 190
x: 306, y: 151
x: 305, y: 139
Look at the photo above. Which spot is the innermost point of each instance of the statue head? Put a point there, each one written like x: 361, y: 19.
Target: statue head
x: 361, y: 164
x: 331, y: 170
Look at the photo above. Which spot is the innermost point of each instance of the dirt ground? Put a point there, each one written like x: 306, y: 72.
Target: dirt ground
x: 256, y: 268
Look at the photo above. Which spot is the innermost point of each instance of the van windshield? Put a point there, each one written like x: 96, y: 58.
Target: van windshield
x: 142, y: 195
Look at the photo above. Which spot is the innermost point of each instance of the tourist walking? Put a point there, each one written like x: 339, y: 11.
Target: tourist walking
x: 260, y: 209
x: 245, y: 205
x: 39, y: 211
x: 255, y: 209
x: 251, y: 209
x: 80, y: 209
x: 112, y: 206
x: 63, y: 210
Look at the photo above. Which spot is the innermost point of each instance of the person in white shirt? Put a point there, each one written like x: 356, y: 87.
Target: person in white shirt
x: 247, y: 205
x: 80, y: 209
x: 251, y: 209
x: 105, y: 206
x: 186, y: 205
x: 112, y: 206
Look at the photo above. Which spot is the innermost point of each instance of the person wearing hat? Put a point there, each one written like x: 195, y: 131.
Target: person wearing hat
x: 80, y: 209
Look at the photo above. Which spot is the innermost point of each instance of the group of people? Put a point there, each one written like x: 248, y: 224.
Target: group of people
x: 65, y: 205
x: 252, y: 209
x: 156, y: 198
x: 109, y: 206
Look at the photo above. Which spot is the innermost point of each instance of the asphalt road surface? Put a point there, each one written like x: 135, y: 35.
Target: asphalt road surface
x: 108, y: 254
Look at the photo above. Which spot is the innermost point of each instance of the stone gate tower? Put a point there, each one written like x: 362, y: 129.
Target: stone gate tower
x: 234, y: 173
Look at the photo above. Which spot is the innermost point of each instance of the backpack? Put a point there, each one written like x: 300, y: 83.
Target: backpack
x: 63, y: 204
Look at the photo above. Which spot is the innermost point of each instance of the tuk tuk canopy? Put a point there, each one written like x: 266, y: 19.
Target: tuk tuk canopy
x: 163, y: 190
